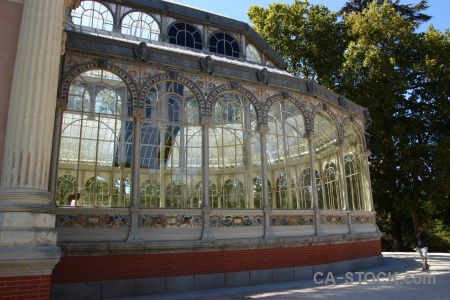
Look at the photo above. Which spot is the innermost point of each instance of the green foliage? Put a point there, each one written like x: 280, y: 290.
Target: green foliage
x: 375, y: 57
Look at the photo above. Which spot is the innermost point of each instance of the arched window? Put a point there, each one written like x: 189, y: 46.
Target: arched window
x: 96, y: 193
x: 287, y: 152
x: 306, y: 195
x: 93, y: 14
x: 176, y: 195
x: 65, y: 187
x: 356, y: 181
x: 96, y: 132
x: 223, y: 43
x: 233, y: 193
x: 171, y: 142
x: 326, y: 159
x: 286, y: 193
x: 140, y: 25
x: 186, y: 35
x: 234, y: 149
x: 150, y: 194
x: 121, y: 192
x: 252, y: 54
x: 213, y: 195
x: 258, y: 192
x: 332, y: 186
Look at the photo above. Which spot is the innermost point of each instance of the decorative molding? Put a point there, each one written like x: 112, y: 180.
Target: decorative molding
x: 343, y: 102
x: 263, y: 75
x: 207, y: 65
x: 173, y: 75
x: 102, y: 62
x: 141, y: 50
x: 311, y: 86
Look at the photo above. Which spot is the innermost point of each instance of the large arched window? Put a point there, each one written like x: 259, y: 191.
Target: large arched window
x: 287, y: 153
x: 223, y: 43
x: 234, y: 149
x: 93, y: 14
x: 171, y: 143
x: 326, y: 159
x: 186, y: 35
x: 306, y: 196
x: 213, y: 195
x: 234, y: 194
x: 150, y: 192
x: 140, y: 25
x: 96, y: 193
x: 257, y: 192
x: 96, y: 136
x: 357, y: 183
x: 65, y: 187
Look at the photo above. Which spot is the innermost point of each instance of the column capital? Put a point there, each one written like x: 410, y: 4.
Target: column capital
x: 263, y: 128
x: 138, y: 113
x: 311, y: 135
x: 206, y: 120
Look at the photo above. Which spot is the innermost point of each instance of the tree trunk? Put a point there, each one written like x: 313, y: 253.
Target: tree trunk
x: 396, y: 232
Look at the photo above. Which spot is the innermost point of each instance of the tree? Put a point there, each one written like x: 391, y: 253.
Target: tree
x: 308, y: 37
x: 407, y: 11
x: 403, y: 77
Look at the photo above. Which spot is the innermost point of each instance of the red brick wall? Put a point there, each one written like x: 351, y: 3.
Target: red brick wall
x: 25, y: 287
x: 119, y: 267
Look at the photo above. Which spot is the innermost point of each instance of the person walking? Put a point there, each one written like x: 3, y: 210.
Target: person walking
x: 421, y: 244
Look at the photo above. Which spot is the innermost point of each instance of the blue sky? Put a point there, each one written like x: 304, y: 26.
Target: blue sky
x: 237, y: 9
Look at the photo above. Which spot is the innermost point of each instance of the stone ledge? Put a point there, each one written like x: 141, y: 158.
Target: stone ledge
x: 121, y: 248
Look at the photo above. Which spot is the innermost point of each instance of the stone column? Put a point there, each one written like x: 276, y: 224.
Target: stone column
x: 27, y: 223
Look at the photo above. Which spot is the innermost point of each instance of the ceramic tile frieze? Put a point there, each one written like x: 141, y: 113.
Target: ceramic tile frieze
x: 362, y: 220
x: 93, y: 221
x: 291, y: 220
x: 236, y: 221
x: 169, y: 220
x: 333, y: 220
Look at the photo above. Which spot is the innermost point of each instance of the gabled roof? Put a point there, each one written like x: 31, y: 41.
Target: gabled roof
x: 199, y: 16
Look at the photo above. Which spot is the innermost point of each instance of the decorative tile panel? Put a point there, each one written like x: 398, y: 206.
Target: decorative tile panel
x: 236, y: 221
x: 362, y: 220
x: 172, y: 220
x: 92, y: 221
x: 291, y: 220
x: 333, y: 220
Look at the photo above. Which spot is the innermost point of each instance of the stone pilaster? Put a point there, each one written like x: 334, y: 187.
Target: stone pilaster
x: 27, y: 222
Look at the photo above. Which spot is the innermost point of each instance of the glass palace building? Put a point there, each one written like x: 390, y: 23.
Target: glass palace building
x: 152, y: 147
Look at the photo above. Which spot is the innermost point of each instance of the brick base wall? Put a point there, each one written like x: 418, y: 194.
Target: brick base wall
x: 25, y: 287
x: 77, y: 269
